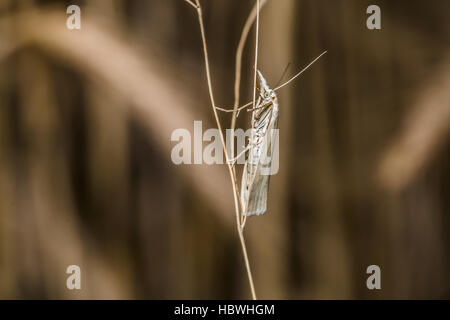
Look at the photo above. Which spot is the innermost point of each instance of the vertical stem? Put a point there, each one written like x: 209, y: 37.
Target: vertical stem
x: 230, y: 167
x: 256, y: 53
x: 239, y: 52
x: 250, y: 155
x: 247, y: 263
x: 237, y: 81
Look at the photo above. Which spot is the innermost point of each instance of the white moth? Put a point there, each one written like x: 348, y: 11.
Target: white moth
x: 256, y: 175
x: 257, y: 169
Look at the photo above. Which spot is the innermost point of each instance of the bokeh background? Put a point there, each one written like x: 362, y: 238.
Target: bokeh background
x: 86, y: 178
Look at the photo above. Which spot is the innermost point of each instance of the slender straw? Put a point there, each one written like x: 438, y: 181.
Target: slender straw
x: 198, y: 8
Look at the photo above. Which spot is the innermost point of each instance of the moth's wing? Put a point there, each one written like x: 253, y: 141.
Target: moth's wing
x: 252, y: 183
x: 256, y: 176
x: 257, y: 203
x: 248, y: 176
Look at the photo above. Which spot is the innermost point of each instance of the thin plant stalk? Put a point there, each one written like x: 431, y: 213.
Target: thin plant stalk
x: 239, y: 52
x: 236, y: 197
x: 253, y: 113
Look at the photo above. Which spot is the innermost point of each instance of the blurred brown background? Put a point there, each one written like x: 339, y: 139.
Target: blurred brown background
x: 85, y: 171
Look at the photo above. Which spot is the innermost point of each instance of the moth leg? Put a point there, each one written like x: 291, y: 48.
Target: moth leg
x: 238, y: 109
x: 250, y: 145
x: 259, y: 107
x: 234, y: 160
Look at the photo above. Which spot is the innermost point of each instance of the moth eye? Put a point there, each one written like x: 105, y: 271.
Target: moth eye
x: 266, y: 94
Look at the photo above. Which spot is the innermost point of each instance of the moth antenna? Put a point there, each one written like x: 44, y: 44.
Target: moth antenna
x: 283, y: 74
x: 304, y: 69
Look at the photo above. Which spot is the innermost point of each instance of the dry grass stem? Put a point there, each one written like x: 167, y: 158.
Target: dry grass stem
x: 232, y: 172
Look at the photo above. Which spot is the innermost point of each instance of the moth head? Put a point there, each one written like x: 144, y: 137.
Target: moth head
x: 263, y: 88
x: 269, y: 94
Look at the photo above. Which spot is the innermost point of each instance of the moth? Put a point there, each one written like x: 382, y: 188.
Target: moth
x: 262, y: 145
x: 257, y: 169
